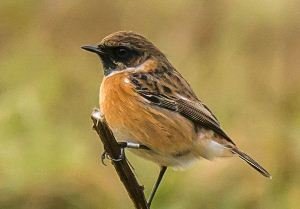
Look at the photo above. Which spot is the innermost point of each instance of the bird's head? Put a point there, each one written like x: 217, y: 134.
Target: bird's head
x: 121, y: 50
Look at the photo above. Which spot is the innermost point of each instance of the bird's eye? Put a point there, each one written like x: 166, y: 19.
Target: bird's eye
x: 122, y: 52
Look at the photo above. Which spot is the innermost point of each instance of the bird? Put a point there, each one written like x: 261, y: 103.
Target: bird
x: 152, y: 109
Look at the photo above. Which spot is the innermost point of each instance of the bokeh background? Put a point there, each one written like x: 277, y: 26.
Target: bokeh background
x: 241, y: 57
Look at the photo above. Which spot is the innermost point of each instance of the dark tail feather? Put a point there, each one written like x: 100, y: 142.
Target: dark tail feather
x: 251, y: 162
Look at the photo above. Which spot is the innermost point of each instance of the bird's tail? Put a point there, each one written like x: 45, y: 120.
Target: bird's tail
x: 251, y: 162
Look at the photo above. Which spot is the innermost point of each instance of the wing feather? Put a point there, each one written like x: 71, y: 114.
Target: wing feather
x: 169, y: 90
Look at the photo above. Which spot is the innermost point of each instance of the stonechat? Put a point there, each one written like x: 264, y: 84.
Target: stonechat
x: 150, y: 107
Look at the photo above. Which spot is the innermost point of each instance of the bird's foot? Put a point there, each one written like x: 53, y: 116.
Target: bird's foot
x: 105, y: 156
x: 123, y: 146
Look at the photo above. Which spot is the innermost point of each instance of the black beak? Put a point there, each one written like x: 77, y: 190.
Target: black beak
x: 93, y: 49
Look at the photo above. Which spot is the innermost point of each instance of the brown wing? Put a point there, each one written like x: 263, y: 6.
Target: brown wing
x: 169, y: 90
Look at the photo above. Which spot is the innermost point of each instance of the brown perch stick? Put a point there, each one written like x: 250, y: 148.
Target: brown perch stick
x: 112, y: 148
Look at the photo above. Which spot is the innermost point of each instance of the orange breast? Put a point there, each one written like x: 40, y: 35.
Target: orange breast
x: 132, y: 118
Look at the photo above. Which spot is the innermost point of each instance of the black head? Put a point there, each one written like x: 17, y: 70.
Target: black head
x: 122, y: 50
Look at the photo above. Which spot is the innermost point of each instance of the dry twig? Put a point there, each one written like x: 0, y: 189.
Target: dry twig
x: 113, y: 150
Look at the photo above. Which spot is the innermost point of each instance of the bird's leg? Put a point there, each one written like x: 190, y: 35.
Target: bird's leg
x: 122, y: 145
x: 156, y: 185
x: 132, y: 145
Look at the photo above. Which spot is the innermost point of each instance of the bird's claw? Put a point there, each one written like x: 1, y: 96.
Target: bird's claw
x: 105, y: 155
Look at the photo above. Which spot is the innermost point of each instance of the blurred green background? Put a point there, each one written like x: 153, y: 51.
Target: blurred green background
x: 241, y: 57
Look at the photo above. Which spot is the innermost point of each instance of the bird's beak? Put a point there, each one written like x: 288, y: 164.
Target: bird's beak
x: 93, y: 49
